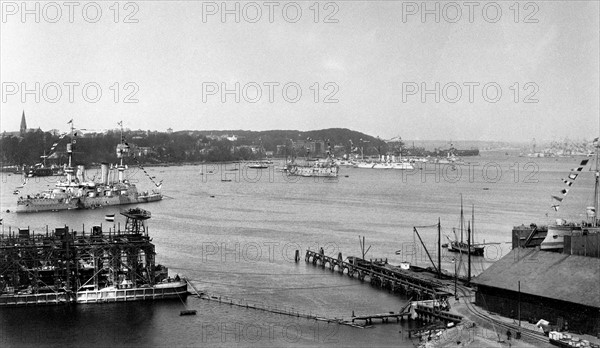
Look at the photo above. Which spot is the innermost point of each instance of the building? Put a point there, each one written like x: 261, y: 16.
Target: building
x: 558, y: 287
x: 23, y: 128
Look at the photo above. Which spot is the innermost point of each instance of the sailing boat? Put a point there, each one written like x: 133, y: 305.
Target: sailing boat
x: 555, y: 238
x: 460, y: 246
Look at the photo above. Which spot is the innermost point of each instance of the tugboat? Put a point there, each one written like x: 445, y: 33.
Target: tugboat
x: 75, y: 192
x: 65, y: 266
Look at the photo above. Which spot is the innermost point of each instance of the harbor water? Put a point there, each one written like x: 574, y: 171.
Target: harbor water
x: 237, y: 239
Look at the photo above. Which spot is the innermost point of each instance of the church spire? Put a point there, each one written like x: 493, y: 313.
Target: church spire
x: 23, y: 124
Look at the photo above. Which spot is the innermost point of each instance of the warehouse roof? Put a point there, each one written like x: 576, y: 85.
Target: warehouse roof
x: 570, y: 278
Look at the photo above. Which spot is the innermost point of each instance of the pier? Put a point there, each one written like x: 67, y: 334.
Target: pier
x: 379, y: 273
x: 432, y: 298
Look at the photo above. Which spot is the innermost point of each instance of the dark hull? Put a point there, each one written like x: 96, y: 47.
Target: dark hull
x: 463, y: 248
x: 49, y: 204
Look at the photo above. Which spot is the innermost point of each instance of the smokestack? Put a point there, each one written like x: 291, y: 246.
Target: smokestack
x: 80, y: 173
x: 104, y: 167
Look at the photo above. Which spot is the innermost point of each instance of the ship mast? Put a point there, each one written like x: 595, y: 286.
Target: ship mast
x: 69, y: 169
x: 122, y: 149
x: 462, y: 219
x: 596, y: 184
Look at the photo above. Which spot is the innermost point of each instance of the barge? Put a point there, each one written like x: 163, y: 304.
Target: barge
x: 65, y: 266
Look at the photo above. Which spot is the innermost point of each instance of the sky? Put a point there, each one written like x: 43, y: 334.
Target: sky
x: 504, y: 70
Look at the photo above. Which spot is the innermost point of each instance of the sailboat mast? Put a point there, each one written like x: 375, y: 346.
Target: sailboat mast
x: 473, y: 221
x: 439, y: 226
x: 596, y: 184
x: 461, y: 218
x: 469, y: 252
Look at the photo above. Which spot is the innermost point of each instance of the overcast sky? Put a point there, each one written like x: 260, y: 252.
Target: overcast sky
x: 371, y: 63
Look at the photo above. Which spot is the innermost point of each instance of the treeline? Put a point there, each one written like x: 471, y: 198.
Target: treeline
x: 178, y: 147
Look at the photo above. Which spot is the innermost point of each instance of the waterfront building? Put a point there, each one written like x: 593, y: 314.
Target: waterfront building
x: 561, y: 288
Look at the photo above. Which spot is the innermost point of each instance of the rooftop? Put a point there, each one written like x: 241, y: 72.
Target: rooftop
x: 569, y: 278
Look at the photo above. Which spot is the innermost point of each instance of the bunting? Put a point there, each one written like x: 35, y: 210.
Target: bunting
x: 569, y: 183
x: 572, y: 177
x: 159, y: 184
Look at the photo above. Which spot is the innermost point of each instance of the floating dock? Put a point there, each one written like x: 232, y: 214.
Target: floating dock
x: 65, y: 266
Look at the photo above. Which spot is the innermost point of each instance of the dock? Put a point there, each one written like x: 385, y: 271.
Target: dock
x: 379, y: 273
x: 66, y: 266
x: 431, y: 303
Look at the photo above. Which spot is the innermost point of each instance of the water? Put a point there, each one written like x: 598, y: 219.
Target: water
x: 238, y: 239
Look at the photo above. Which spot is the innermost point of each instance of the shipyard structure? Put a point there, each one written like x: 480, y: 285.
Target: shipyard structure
x: 65, y: 266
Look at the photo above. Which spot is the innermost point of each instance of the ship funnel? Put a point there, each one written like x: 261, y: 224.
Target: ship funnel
x: 80, y: 173
x: 104, y: 167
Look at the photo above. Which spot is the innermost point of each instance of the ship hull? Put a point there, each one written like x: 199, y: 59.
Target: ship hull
x: 457, y: 248
x: 49, y: 204
x: 311, y: 171
x: 158, y: 292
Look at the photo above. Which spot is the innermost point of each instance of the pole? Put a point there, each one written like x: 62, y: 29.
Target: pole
x: 461, y: 218
x: 519, y: 306
x: 469, y: 251
x: 455, y: 280
x: 439, y: 249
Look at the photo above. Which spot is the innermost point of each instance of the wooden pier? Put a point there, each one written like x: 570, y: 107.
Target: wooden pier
x: 379, y: 273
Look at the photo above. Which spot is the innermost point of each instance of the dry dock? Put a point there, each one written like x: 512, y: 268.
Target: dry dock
x: 65, y: 266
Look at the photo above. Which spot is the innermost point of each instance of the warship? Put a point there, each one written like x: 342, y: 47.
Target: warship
x: 74, y: 191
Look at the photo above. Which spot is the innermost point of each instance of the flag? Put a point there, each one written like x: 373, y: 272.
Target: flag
x: 595, y: 140
x: 120, y: 123
x: 584, y: 162
x: 557, y: 198
x: 569, y: 183
x: 564, y: 192
x: 555, y: 207
x: 71, y: 121
x: 573, y: 176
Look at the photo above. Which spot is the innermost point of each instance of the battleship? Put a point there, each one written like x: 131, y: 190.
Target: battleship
x: 323, y: 168
x: 69, y: 267
x: 326, y: 167
x: 76, y: 192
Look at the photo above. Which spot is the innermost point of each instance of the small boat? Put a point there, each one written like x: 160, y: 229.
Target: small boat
x: 188, y: 312
x: 225, y: 180
x: 258, y: 165
x: 109, y: 217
